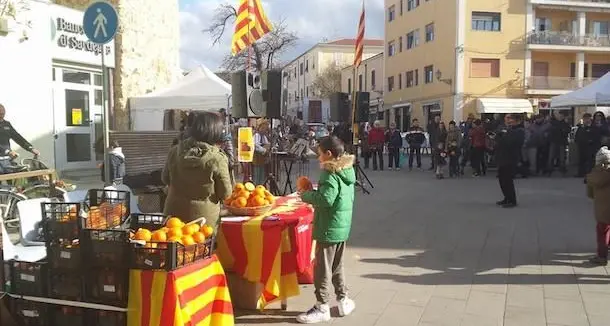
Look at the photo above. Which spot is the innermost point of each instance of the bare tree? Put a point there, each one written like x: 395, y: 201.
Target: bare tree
x: 328, y: 81
x: 264, y: 52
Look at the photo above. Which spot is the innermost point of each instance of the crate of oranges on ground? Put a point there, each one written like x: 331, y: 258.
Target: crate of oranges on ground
x: 249, y: 200
x: 105, y: 209
x: 172, y: 246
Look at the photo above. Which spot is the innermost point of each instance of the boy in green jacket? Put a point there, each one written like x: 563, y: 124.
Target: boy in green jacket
x: 333, y: 202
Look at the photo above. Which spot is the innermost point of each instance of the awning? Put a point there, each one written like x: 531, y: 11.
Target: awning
x: 504, y: 105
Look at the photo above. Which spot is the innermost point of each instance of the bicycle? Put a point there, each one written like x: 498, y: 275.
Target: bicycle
x: 26, y: 188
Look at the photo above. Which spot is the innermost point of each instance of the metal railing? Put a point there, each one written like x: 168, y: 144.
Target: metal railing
x: 567, y: 38
x: 557, y: 83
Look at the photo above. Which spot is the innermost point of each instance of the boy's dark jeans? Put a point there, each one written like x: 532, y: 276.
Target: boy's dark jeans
x: 454, y: 165
x: 394, y: 157
x: 329, y: 269
x: 377, y: 154
x: 602, y: 231
x: 415, y: 151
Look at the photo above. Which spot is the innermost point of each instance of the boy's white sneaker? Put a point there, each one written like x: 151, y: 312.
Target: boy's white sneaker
x: 346, y: 306
x: 318, y: 314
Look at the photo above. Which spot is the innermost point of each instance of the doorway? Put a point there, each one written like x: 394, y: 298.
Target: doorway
x: 77, y: 107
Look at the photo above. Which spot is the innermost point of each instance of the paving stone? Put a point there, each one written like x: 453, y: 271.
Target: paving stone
x: 486, y: 304
x: 525, y: 297
x: 441, y: 310
x: 520, y: 316
x: 565, y: 312
x: 476, y: 320
x: 397, y: 314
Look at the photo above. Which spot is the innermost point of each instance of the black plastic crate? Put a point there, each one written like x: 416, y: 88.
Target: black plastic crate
x: 104, y: 248
x: 106, y: 209
x: 152, y: 222
x: 66, y: 285
x: 170, y: 255
x: 66, y: 315
x: 108, y: 286
x: 67, y: 257
x: 61, y: 223
x: 29, y: 313
x: 106, y: 318
x: 28, y: 278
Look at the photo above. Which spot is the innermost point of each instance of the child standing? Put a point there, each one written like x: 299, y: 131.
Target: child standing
x: 440, y: 160
x: 333, y: 202
x: 454, y: 140
x: 598, y: 188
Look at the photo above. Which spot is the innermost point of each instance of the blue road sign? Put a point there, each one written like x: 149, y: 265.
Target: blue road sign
x: 100, y: 22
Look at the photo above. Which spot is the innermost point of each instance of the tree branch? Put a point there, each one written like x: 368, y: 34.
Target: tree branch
x: 224, y: 14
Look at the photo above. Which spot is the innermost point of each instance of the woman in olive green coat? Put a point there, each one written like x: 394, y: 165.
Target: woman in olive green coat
x: 197, y: 172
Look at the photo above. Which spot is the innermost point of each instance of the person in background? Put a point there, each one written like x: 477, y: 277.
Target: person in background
x: 262, y: 151
x: 116, y: 158
x: 558, y: 141
x: 509, y: 141
x: 599, y: 120
x: 365, y: 152
x: 538, y: 145
x: 197, y: 172
x: 588, y: 139
x: 7, y: 132
x: 466, y: 145
x: 394, y: 140
x: 433, y: 134
x: 227, y: 144
x: 376, y: 142
x: 598, y: 189
x: 333, y: 202
x: 439, y: 156
x: 454, y: 141
x: 478, y: 137
x: 415, y: 138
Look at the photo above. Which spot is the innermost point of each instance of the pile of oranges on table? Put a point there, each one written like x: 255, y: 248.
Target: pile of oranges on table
x: 248, y: 195
x: 176, y: 231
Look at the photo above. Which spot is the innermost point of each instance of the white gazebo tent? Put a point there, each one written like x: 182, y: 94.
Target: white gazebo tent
x: 200, y: 89
x: 595, y: 94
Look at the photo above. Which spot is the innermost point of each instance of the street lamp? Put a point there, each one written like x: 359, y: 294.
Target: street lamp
x: 439, y: 77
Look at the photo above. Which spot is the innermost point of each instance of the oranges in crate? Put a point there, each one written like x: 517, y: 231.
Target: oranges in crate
x: 175, y: 231
x: 249, y: 195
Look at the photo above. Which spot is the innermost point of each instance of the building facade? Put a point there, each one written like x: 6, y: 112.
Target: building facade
x: 451, y: 58
x: 368, y: 78
x: 300, y: 98
x: 54, y: 96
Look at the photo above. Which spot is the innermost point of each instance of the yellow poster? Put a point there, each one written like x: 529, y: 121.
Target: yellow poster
x: 245, y: 143
x: 77, y: 117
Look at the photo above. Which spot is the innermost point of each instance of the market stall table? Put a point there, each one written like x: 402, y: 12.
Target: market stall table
x: 272, y: 249
x: 195, y: 294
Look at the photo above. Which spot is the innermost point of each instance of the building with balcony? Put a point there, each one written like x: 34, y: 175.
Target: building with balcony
x: 368, y: 78
x: 298, y: 76
x: 453, y: 58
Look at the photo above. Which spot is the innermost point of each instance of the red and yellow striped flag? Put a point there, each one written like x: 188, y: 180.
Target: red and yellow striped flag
x: 250, y: 25
x: 360, y: 39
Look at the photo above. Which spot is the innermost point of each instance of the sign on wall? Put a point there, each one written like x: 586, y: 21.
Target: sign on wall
x: 70, y: 42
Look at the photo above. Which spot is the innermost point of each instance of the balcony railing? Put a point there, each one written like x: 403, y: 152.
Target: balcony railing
x: 557, y: 83
x: 569, y: 39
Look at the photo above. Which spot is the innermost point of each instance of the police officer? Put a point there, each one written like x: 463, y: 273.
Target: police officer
x: 509, y: 141
x: 7, y: 132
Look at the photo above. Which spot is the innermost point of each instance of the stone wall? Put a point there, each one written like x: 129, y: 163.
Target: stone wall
x: 147, y: 49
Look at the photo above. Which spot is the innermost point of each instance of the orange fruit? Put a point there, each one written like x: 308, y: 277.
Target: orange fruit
x: 258, y: 201
x: 270, y: 199
x: 228, y: 201
x: 249, y: 186
x: 199, y: 237
x: 159, y: 236
x: 243, y: 193
x: 261, y: 187
x: 164, y: 229
x: 175, y: 239
x: 143, y: 234
x: 174, y: 222
x: 303, y: 183
x: 238, y: 187
x: 259, y: 192
x: 207, y: 230
x: 240, y: 202
x: 188, y: 240
x: 267, y: 203
x: 268, y: 193
x: 174, y: 232
x: 195, y: 228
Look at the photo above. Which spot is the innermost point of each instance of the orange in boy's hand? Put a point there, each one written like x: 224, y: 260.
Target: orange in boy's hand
x: 303, y: 184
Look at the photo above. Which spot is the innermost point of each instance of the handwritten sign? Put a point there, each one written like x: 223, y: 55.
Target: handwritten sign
x: 245, y: 143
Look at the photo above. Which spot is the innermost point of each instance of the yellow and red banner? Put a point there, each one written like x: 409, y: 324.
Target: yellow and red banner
x: 245, y: 143
x: 359, y: 39
x: 250, y: 25
x: 271, y: 249
x: 194, y: 295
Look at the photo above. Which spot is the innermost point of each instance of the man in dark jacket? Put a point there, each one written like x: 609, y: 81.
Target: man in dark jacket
x: 434, y: 131
x: 415, y: 138
x: 509, y: 141
x: 588, y: 138
x: 558, y: 140
x: 7, y: 132
x: 478, y: 139
x: 394, y: 140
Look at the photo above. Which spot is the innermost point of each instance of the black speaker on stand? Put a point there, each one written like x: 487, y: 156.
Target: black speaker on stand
x: 362, y: 106
x: 271, y: 85
x: 340, y: 108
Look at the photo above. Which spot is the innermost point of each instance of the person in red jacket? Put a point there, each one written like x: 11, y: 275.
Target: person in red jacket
x: 376, y: 141
x: 477, y: 138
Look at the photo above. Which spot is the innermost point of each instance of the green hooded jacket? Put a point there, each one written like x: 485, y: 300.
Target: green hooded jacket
x: 197, y: 174
x: 333, y: 200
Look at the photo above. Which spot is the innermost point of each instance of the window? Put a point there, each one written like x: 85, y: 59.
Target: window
x: 484, y: 68
x: 360, y: 82
x: 400, y: 44
x: 76, y: 77
x: 486, y: 21
x: 307, y: 90
x: 416, y: 78
x: 349, y: 85
x: 373, y: 78
x: 391, y: 48
x: 391, y: 13
x: 301, y: 69
x: 573, y: 70
x: 296, y: 97
x: 412, y: 4
x: 428, y: 74
x: 302, y: 97
x: 401, y: 6
x: 390, y: 83
x: 400, y: 81
x: 543, y: 24
x: 430, y: 32
x: 412, y: 39
x: 409, y: 78
x: 307, y: 65
x: 599, y: 28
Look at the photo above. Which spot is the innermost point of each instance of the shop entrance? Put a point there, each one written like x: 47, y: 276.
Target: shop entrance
x: 77, y: 106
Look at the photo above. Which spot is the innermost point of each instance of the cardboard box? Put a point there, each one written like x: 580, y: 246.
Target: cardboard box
x: 244, y: 294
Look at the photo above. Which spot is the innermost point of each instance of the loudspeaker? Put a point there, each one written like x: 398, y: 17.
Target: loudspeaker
x: 362, y: 106
x: 239, y: 95
x: 271, y: 84
x: 340, y: 108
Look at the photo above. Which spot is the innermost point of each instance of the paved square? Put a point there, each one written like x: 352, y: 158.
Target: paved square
x: 439, y: 252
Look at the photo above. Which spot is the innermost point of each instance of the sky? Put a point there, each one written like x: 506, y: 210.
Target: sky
x: 312, y: 20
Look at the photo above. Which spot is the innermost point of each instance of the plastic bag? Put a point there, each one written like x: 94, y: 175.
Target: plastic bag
x: 403, y: 159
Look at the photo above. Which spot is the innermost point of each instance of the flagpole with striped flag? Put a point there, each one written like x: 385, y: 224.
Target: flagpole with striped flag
x: 359, y: 47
